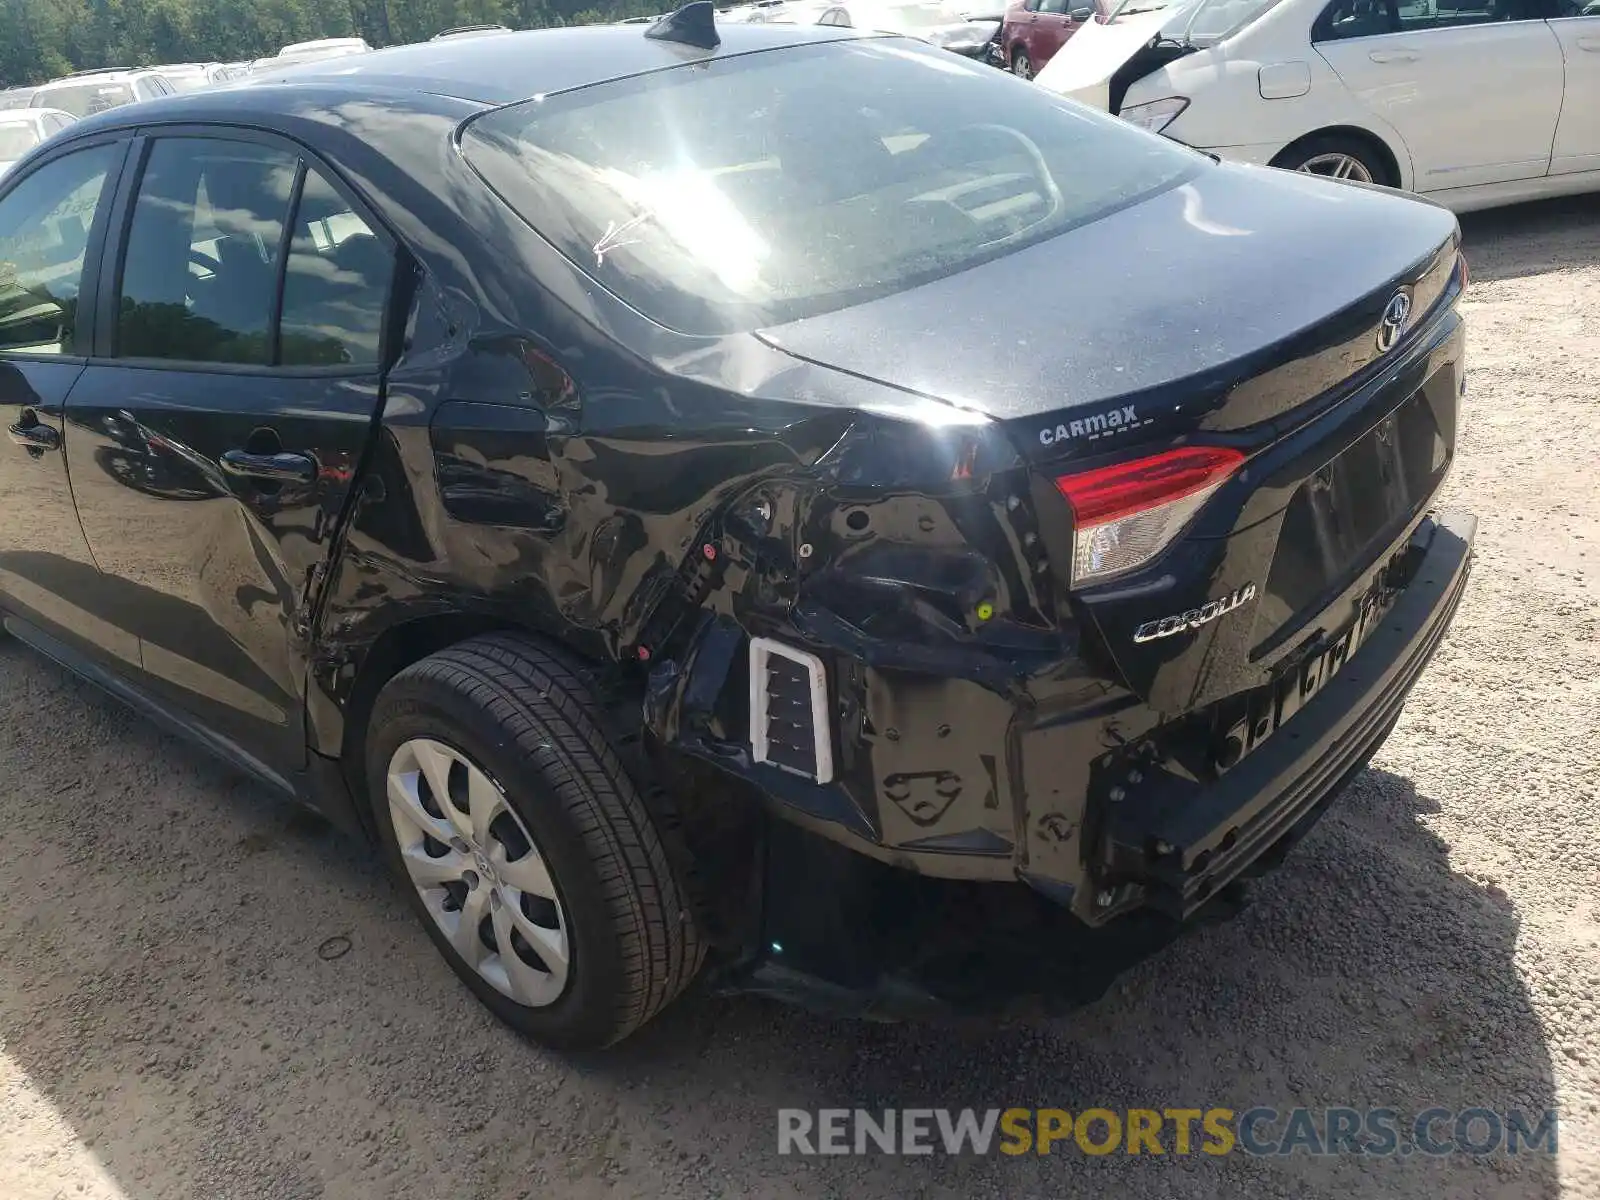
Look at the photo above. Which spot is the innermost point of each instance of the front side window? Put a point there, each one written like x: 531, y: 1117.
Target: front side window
x: 204, y: 263
x: 44, y: 236
x: 199, y: 274
x: 762, y: 188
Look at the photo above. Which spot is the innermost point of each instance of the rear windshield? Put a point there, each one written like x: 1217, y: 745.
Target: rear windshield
x: 765, y: 187
x: 83, y: 99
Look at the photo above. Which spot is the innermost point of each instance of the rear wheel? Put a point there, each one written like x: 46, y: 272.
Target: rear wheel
x: 524, y: 845
x: 1335, y: 157
x: 1021, y: 66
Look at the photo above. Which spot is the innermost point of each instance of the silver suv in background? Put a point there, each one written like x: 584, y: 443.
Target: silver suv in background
x: 86, y: 92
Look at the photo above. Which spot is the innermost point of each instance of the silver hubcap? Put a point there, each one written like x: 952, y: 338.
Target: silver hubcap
x: 1336, y: 166
x: 479, y: 872
x: 1021, y: 67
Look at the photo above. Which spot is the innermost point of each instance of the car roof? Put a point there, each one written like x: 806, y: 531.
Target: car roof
x: 516, y: 65
x: 321, y: 44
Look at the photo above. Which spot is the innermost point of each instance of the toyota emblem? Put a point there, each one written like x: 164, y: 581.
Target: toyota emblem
x: 1395, y: 315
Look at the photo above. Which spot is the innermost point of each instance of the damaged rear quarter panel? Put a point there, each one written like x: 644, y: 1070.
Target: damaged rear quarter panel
x: 549, y: 461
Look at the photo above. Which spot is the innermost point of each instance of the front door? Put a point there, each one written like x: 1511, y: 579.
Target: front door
x: 213, y: 444
x: 1577, y: 145
x: 52, y: 225
x: 1473, y: 86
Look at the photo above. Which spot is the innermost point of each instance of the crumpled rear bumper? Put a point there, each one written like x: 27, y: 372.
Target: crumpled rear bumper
x: 843, y: 933
x: 1209, y: 836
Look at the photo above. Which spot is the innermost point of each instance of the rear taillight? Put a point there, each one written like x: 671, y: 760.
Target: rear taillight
x: 1127, y: 514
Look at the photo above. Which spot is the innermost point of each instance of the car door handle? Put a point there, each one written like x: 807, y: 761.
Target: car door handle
x: 1394, y: 56
x: 282, y: 467
x: 35, y: 436
x: 1589, y: 43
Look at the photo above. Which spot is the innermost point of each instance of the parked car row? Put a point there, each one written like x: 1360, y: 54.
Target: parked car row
x: 971, y: 29
x: 1470, y: 102
x: 91, y: 91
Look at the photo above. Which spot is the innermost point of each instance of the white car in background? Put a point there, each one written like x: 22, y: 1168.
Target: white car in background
x: 304, y: 52
x: 190, y: 77
x: 944, y: 23
x: 22, y: 129
x: 84, y: 93
x: 1473, y: 103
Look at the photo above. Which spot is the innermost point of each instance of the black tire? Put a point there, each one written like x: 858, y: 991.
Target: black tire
x: 530, y: 720
x: 1021, y: 64
x: 1326, y: 147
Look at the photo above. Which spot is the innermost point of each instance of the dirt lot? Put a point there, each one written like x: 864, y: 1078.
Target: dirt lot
x: 168, y: 1027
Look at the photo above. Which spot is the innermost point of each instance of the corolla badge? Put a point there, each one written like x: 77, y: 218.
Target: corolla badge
x: 1195, y: 617
x: 1395, y: 315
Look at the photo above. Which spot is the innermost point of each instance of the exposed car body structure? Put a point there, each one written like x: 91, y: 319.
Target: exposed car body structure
x: 1473, y: 103
x: 888, y: 603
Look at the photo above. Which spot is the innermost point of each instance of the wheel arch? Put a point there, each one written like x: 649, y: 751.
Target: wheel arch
x: 397, y: 647
x: 1396, y: 164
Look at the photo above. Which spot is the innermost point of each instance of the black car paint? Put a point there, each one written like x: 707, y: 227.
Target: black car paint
x: 539, y: 456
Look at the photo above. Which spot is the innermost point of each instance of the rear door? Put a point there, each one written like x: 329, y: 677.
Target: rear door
x: 1577, y: 146
x: 52, y: 228
x: 1018, y: 31
x: 213, y: 445
x: 1473, y: 86
x: 1050, y: 29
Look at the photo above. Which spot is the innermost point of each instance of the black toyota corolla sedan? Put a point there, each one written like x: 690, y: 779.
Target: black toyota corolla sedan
x: 785, y: 498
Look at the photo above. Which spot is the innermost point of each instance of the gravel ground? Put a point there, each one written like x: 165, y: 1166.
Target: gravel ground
x: 168, y: 1027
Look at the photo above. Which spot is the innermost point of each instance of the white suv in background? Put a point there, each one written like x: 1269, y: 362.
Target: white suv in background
x: 1472, y: 102
x: 85, y: 93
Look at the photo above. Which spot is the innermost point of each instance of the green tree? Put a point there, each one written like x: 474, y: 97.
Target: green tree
x: 42, y: 39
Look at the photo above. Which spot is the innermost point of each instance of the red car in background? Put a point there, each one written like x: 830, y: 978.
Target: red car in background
x: 1033, y: 30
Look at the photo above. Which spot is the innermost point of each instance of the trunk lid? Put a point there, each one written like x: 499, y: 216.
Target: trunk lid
x: 1229, y: 310
x: 1220, y: 303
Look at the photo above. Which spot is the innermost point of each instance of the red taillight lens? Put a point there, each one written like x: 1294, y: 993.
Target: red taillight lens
x: 1127, y: 514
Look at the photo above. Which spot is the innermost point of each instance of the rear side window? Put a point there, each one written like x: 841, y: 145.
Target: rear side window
x: 336, y: 286
x: 44, y: 235
x: 205, y: 259
x: 200, y: 273
x: 1368, y: 18
x: 762, y: 188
